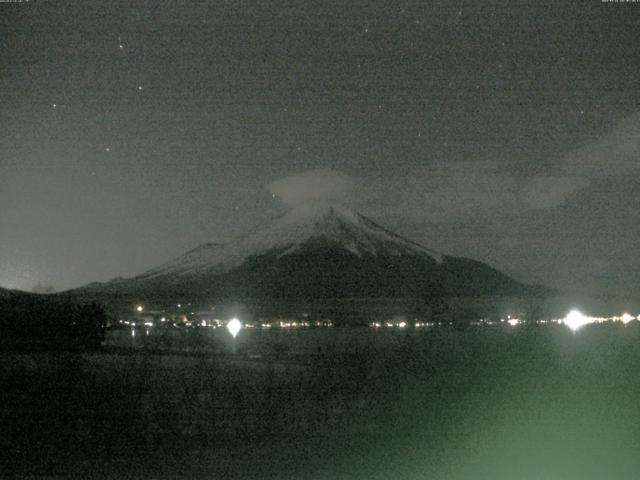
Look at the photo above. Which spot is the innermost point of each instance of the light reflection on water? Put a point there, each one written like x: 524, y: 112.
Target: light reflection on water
x: 259, y: 341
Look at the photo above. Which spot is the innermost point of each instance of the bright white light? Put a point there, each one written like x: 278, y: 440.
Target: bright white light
x: 626, y: 318
x: 204, y: 323
x: 513, y: 321
x: 402, y: 324
x: 139, y: 308
x: 234, y: 326
x: 575, y: 319
x: 133, y: 333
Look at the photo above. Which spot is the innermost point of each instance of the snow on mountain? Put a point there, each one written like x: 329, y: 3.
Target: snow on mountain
x: 316, y: 252
x: 338, y: 225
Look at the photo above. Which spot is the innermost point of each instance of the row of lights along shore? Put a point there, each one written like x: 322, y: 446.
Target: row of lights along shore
x: 574, y: 320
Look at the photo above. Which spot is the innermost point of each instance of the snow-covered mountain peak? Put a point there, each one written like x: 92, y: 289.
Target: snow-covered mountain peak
x: 330, y: 223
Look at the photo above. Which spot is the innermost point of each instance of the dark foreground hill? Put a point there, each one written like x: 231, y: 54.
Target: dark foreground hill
x: 48, y: 322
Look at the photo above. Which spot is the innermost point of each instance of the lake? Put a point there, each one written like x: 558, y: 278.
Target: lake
x: 538, y: 402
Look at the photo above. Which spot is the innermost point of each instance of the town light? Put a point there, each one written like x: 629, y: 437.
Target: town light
x: 575, y: 319
x: 234, y: 326
x: 626, y: 318
x: 139, y: 308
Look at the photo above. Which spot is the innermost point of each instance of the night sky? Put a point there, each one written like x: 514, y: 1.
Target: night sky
x: 508, y: 132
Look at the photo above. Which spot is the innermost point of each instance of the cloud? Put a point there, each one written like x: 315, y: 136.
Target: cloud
x: 315, y: 185
x: 447, y: 192
x: 550, y: 191
x: 457, y: 190
x: 465, y: 191
x: 615, y: 153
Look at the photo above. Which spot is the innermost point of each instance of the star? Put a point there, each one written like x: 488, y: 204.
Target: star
x: 54, y: 105
x: 107, y: 149
x: 139, y: 88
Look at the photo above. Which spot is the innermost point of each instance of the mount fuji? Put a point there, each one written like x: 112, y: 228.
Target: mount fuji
x: 338, y: 227
x: 313, y: 252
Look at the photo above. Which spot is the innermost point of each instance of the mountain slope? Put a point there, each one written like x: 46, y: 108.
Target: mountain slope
x: 288, y: 234
x: 316, y: 252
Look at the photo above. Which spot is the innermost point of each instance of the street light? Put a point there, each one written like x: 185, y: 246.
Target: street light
x: 575, y: 319
x: 234, y: 326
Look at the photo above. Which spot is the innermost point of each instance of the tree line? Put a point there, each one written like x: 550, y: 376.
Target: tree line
x: 45, y: 322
